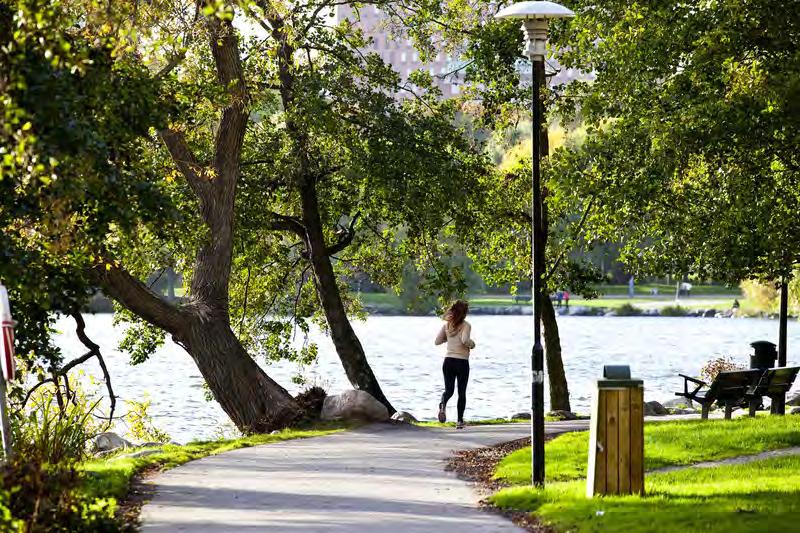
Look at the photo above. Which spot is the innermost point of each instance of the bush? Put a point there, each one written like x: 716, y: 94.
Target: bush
x: 674, y: 310
x: 628, y: 310
x: 310, y: 401
x: 140, y: 423
x: 48, y: 497
x: 715, y: 366
x: 47, y: 433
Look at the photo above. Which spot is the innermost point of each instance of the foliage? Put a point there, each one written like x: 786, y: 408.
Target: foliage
x: 627, y: 309
x: 140, y: 423
x: 311, y: 401
x: 691, y: 126
x: 72, y: 168
x: 713, y: 367
x: 49, y: 433
x: 674, y: 310
x: 666, y: 444
x: 49, y: 497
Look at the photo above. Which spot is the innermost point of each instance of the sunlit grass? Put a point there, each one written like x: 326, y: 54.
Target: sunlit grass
x: 666, y: 443
x: 760, y: 496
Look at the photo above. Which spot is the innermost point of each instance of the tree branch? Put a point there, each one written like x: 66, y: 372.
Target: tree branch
x: 287, y: 223
x: 345, y: 238
x: 136, y: 296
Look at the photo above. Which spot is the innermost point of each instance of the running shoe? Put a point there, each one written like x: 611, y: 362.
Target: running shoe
x: 460, y: 424
x: 442, y: 414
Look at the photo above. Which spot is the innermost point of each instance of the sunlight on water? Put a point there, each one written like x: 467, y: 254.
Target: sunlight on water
x: 402, y: 354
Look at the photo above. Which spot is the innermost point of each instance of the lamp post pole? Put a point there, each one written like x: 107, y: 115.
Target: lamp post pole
x: 537, y: 355
x: 535, y: 18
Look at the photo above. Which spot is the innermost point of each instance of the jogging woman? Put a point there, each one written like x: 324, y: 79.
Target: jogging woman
x: 456, y: 333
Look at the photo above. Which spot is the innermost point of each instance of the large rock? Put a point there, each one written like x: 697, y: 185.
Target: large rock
x: 404, y: 416
x: 710, y: 313
x: 794, y: 400
x: 108, y: 441
x: 654, y: 409
x: 524, y: 415
x: 795, y: 411
x: 354, y: 405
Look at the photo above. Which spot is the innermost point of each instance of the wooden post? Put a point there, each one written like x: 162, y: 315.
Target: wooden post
x: 616, y: 437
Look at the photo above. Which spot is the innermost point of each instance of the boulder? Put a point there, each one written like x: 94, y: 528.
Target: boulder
x: 710, y: 313
x: 794, y: 400
x: 795, y: 411
x: 563, y: 415
x: 404, y: 416
x: 354, y: 405
x: 520, y: 416
x: 108, y: 441
x: 654, y: 409
x: 680, y: 403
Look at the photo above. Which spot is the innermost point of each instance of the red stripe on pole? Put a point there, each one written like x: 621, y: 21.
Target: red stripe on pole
x: 9, y: 367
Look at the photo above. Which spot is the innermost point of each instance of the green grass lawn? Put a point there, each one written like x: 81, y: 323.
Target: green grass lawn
x: 759, y: 496
x: 666, y: 443
x: 110, y: 477
x: 762, y: 496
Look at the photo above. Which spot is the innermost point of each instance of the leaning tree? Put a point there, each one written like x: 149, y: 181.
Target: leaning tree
x: 275, y: 147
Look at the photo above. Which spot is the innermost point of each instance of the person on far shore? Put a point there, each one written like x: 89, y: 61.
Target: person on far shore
x: 456, y: 333
x: 566, y: 299
x: 559, y: 297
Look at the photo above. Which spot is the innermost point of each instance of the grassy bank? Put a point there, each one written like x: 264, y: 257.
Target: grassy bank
x: 757, y: 496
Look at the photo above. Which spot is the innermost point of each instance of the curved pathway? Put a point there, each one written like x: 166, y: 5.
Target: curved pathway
x: 381, y: 478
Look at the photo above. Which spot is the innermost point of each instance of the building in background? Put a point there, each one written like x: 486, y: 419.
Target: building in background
x: 402, y: 56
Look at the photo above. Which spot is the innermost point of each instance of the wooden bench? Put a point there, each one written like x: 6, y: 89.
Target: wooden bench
x: 522, y: 298
x: 774, y: 384
x: 729, y: 389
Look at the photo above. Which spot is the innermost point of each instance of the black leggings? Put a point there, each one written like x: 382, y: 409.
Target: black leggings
x: 453, y: 369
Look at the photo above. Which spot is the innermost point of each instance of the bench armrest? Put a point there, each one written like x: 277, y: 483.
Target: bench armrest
x: 699, y: 384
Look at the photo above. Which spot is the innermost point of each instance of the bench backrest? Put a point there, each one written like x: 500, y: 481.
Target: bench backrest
x: 776, y: 380
x: 733, y: 385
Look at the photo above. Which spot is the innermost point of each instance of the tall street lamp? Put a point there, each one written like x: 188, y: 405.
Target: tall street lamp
x: 535, y: 19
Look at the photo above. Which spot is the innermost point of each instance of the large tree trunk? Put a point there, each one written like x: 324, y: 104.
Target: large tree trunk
x: 349, y: 348
x: 252, y: 400
x: 559, y: 393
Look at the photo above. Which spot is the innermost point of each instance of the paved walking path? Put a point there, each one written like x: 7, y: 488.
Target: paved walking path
x: 738, y: 460
x: 381, y: 478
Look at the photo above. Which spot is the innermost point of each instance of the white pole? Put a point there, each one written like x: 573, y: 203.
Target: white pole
x: 8, y: 451
x: 7, y: 370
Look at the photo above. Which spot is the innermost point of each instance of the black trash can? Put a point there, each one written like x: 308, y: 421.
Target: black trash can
x: 764, y: 355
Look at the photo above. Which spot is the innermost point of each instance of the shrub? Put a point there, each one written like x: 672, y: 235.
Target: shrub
x: 48, y: 433
x: 628, y: 310
x: 48, y: 497
x: 311, y: 401
x: 715, y: 366
x: 140, y: 423
x: 674, y: 310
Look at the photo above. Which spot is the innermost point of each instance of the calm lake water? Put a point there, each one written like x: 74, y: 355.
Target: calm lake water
x: 408, y: 365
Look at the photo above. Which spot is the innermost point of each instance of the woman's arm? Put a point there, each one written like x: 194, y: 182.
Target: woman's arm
x: 441, y: 338
x: 465, y: 336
